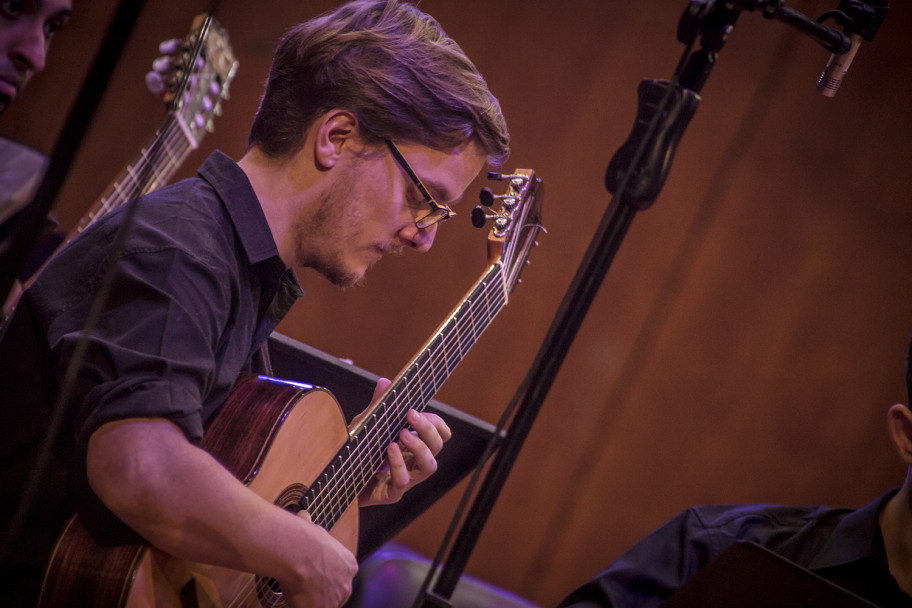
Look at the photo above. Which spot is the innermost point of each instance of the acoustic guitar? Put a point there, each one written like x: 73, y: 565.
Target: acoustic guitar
x: 289, y: 443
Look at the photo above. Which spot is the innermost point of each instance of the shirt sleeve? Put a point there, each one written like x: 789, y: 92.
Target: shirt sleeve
x: 649, y: 572
x: 152, y: 352
x: 659, y: 564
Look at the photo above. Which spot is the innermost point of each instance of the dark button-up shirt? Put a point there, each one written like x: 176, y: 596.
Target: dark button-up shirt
x: 842, y: 545
x: 195, y: 290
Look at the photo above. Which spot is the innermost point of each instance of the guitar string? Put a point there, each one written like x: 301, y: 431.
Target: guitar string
x: 130, y: 187
x: 440, y: 362
x: 198, y: 79
x: 149, y: 157
x: 431, y: 360
x: 174, y: 131
x: 416, y: 389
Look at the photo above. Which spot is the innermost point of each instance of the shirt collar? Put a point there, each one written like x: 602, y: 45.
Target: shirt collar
x: 232, y: 186
x: 856, y: 537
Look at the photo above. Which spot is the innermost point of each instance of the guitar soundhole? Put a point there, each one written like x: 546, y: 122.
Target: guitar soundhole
x: 268, y: 591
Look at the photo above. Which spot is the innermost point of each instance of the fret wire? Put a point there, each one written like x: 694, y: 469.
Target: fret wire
x: 134, y: 182
x: 186, y: 131
x: 438, y: 342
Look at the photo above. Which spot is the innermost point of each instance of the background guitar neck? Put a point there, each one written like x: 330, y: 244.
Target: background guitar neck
x: 152, y: 168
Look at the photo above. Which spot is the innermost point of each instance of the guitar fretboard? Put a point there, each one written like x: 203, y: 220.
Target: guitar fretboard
x: 344, y: 478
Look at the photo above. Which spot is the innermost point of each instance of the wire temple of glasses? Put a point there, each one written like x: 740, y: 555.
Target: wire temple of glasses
x: 438, y: 212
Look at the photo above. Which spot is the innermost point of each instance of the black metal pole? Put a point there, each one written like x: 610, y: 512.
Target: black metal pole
x: 635, y: 175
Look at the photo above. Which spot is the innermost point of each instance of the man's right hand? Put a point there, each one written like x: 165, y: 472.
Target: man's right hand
x: 327, y: 570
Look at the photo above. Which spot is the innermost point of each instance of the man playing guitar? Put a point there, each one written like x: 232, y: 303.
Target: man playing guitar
x: 372, y: 122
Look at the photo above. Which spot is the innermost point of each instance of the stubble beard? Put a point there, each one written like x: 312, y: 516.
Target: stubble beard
x: 336, y: 221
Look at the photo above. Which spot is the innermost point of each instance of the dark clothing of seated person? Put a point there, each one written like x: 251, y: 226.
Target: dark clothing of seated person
x: 866, y: 551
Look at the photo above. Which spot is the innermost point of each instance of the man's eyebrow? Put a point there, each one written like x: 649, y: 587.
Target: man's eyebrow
x: 440, y: 192
x: 64, y: 12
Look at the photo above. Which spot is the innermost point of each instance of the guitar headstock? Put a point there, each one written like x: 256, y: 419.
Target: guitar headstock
x: 516, y: 223
x: 194, y: 76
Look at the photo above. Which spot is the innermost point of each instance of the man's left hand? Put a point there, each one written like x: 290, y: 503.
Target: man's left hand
x: 411, y: 459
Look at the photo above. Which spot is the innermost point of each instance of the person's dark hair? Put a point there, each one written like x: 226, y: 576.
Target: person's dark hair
x: 393, y: 67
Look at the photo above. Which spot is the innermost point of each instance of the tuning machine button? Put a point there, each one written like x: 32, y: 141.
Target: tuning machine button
x: 499, y: 177
x: 487, y: 198
x: 479, y: 217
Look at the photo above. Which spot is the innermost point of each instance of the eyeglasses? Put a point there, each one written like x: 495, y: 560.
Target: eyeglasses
x: 438, y: 212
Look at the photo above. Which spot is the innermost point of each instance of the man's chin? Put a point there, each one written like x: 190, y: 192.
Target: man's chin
x: 343, y: 277
x: 348, y: 280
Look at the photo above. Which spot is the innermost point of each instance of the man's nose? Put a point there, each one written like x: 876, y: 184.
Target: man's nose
x: 419, y: 239
x: 29, y: 50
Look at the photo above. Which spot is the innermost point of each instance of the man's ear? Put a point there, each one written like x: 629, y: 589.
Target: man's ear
x: 899, y: 423
x: 334, y: 131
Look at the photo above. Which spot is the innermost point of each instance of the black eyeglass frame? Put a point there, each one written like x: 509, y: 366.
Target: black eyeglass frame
x: 438, y: 212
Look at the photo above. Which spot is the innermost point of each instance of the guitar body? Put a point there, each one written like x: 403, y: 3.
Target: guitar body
x: 275, y: 437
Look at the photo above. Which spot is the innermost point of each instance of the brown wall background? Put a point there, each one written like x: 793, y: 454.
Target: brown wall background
x: 747, y: 341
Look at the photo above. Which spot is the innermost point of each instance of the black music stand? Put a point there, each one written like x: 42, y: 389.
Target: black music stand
x: 747, y: 575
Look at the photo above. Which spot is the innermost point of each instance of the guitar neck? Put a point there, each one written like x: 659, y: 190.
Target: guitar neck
x: 344, y: 478
x: 152, y: 168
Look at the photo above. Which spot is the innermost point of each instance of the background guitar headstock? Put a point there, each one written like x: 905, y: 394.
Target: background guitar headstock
x: 193, y: 75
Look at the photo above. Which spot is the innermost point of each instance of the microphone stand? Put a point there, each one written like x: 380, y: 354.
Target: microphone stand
x: 635, y: 176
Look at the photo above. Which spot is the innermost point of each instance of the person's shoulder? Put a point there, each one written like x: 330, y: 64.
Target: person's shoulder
x: 761, y: 514
x: 191, y: 201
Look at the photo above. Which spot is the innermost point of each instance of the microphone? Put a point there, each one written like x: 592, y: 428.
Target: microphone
x: 836, y: 68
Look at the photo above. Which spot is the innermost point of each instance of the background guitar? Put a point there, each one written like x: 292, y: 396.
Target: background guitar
x: 193, y: 76
x: 194, y: 81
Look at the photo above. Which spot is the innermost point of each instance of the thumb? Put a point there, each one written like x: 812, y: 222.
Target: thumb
x: 382, y: 385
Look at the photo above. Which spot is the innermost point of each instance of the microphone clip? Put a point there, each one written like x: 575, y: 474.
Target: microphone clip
x: 860, y: 18
x: 860, y: 21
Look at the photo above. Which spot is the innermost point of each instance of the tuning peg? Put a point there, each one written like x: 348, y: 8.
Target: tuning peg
x: 499, y: 177
x: 479, y: 217
x: 155, y: 83
x: 487, y: 198
x: 169, y: 47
